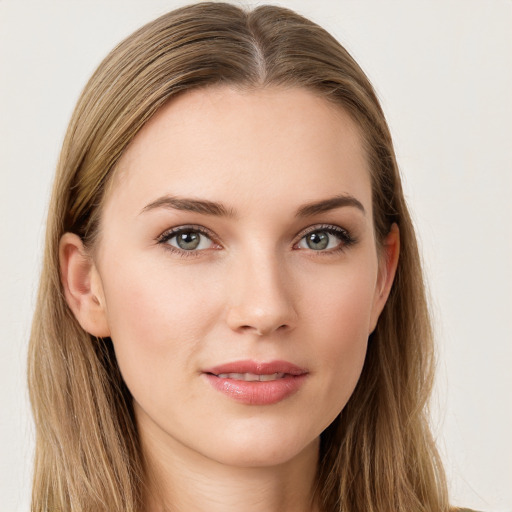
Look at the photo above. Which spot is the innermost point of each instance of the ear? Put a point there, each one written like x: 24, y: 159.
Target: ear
x: 82, y: 286
x: 387, y: 268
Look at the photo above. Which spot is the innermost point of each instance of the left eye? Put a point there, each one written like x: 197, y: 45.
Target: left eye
x: 322, y: 239
x: 189, y: 240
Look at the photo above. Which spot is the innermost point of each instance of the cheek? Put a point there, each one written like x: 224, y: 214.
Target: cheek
x: 339, y: 315
x: 156, y: 320
x: 341, y: 301
x: 156, y: 298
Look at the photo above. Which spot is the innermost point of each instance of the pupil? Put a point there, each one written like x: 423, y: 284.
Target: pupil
x: 318, y: 240
x: 188, y: 240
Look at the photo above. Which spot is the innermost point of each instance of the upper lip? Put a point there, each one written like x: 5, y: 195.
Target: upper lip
x: 257, y: 368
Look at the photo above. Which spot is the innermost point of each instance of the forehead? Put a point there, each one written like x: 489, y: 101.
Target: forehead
x: 229, y: 144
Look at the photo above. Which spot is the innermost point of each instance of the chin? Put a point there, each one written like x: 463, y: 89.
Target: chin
x: 264, y: 449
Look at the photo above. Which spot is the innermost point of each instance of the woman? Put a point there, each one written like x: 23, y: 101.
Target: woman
x: 231, y: 312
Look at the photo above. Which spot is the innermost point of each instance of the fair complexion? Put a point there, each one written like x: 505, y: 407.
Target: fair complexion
x: 238, y: 227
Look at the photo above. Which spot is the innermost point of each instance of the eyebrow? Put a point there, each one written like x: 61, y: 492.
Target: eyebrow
x: 216, y: 209
x: 310, y: 209
x: 190, y: 205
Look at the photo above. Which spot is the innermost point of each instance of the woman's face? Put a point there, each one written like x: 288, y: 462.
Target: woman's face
x: 238, y: 272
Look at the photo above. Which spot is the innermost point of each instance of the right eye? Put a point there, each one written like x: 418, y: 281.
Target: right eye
x: 187, y: 239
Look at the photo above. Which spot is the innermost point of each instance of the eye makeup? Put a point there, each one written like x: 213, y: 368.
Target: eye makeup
x: 191, y: 240
x: 316, y: 236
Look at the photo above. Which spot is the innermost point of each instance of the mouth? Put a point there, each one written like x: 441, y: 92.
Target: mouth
x: 253, y: 370
x: 251, y: 377
x: 254, y: 383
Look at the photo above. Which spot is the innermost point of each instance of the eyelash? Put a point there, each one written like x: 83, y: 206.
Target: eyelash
x: 346, y: 239
x: 171, y: 233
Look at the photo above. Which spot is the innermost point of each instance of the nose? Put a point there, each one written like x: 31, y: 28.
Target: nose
x: 262, y: 298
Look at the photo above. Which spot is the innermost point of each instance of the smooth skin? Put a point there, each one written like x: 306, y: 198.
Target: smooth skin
x: 260, y: 275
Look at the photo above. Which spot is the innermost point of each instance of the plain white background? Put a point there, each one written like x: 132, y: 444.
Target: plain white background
x: 443, y: 70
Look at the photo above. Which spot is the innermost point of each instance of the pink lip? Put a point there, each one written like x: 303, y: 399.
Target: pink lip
x: 257, y: 392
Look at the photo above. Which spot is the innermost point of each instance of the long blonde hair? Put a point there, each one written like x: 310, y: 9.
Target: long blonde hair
x: 378, y: 455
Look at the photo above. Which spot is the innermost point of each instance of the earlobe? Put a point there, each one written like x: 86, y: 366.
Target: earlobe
x: 82, y: 286
x: 387, y: 270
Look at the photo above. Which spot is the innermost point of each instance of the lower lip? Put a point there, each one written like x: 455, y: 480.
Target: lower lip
x: 256, y: 392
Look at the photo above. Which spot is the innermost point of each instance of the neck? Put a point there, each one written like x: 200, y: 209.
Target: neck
x: 180, y: 480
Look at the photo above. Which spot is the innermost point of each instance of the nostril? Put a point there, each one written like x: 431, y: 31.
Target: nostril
x: 261, y: 316
x: 263, y: 331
